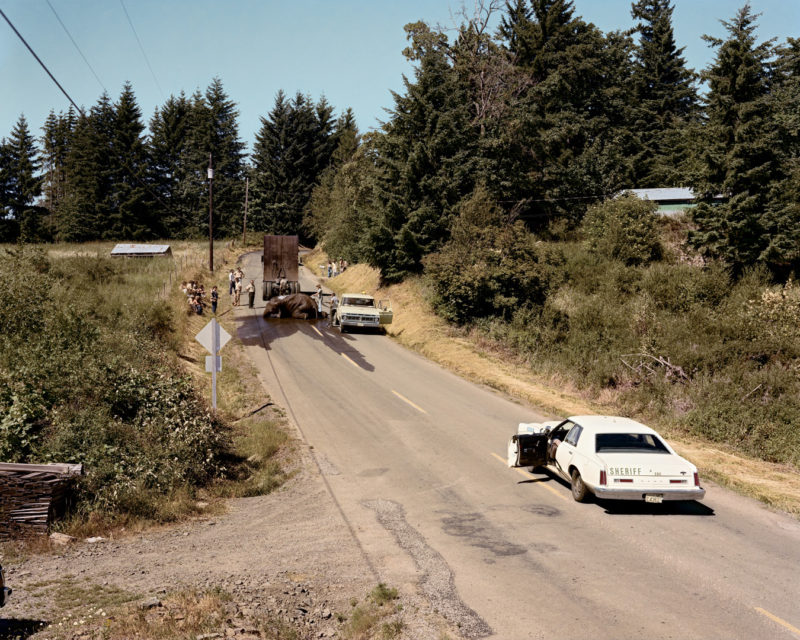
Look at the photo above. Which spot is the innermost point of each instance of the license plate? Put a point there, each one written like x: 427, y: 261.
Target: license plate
x: 657, y: 498
x: 360, y: 324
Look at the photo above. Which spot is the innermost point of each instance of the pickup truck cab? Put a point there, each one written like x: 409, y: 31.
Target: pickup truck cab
x: 359, y: 310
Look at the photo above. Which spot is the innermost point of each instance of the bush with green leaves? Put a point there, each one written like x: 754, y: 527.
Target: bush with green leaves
x: 85, y: 378
x: 490, y: 267
x: 682, y: 345
x: 623, y: 228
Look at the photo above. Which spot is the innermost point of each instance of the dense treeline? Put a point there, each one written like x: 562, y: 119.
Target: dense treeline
x: 549, y: 115
x: 546, y: 113
x: 103, y: 175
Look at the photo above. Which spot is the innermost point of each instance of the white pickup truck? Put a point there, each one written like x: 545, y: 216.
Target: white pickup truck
x: 359, y: 311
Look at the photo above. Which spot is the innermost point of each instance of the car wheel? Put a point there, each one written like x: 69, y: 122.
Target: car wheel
x: 579, y: 490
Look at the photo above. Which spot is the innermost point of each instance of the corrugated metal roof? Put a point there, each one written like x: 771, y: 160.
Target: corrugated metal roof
x: 139, y: 249
x: 669, y: 194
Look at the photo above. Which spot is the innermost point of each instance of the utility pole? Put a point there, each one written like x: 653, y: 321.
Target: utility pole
x: 210, y: 216
x: 244, y: 224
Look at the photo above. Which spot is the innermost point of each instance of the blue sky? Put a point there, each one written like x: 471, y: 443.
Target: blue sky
x: 348, y: 50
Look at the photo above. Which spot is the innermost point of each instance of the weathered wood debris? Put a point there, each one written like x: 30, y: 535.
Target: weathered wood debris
x: 32, y: 496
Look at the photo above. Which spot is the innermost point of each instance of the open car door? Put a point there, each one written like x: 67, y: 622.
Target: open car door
x: 385, y: 311
x: 527, y: 450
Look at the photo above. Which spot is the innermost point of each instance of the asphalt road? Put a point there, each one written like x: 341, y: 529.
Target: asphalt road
x: 414, y: 457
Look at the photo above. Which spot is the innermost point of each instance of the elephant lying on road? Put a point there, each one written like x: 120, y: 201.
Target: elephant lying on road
x: 296, y: 305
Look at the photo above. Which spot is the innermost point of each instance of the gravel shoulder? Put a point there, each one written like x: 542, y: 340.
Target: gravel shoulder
x: 288, y: 556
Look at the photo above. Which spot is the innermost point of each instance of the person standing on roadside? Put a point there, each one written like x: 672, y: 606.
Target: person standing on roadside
x: 237, y: 292
x: 232, y: 284
x: 334, y: 303
x: 214, y: 299
x: 318, y: 295
x: 251, y: 293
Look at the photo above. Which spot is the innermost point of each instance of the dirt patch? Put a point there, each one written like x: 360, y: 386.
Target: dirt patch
x: 269, y: 562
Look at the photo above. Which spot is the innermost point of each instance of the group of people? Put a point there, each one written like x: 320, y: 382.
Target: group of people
x: 335, y: 268
x: 195, y: 294
x: 236, y: 278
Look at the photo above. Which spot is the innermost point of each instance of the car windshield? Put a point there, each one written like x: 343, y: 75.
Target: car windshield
x: 358, y: 302
x: 629, y: 442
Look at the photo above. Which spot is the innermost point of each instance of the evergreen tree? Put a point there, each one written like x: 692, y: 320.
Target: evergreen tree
x: 21, y: 184
x: 569, y: 133
x: 89, y: 168
x: 127, y: 206
x: 56, y: 141
x: 665, y: 97
x: 739, y: 159
x: 167, y: 149
x: 428, y: 159
x: 293, y: 148
x: 214, y: 133
x: 320, y: 216
x: 9, y: 227
x: 781, y: 219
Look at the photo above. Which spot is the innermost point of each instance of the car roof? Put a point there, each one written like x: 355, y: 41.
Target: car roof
x: 611, y: 424
x: 357, y: 295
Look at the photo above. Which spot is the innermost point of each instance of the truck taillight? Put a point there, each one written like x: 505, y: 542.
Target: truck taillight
x: 603, y: 476
x: 696, y: 479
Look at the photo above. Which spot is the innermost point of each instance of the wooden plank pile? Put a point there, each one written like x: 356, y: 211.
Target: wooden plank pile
x: 32, y: 495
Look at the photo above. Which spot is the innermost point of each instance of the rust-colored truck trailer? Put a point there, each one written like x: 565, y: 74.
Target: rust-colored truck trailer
x: 281, y: 272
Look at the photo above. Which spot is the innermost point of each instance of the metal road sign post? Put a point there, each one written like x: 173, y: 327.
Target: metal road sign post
x: 213, y: 337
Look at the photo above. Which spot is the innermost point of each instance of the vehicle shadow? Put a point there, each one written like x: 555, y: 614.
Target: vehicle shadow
x: 669, y: 508
x: 631, y: 507
x: 19, y: 629
x: 254, y: 330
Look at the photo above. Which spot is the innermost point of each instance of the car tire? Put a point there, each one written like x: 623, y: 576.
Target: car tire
x: 579, y: 491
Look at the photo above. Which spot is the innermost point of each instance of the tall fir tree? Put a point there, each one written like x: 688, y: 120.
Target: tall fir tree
x: 569, y: 132
x: 9, y: 227
x: 56, y: 142
x: 85, y: 208
x: 214, y: 134
x: 127, y: 206
x: 167, y: 148
x: 427, y: 156
x: 666, y: 99
x: 739, y: 159
x: 22, y: 183
x: 781, y: 218
x: 293, y: 148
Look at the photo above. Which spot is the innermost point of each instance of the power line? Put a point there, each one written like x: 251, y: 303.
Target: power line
x: 63, y: 26
x: 122, y: 161
x: 142, y: 49
x: 33, y: 53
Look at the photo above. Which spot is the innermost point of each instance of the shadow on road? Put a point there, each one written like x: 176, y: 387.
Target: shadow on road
x: 633, y: 507
x: 14, y: 629
x: 670, y: 508
x: 273, y: 329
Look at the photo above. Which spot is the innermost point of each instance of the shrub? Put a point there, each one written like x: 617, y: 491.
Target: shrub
x: 489, y: 268
x: 625, y: 229
x: 87, y: 380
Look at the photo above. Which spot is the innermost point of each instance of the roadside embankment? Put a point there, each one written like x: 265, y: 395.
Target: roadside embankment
x: 474, y: 357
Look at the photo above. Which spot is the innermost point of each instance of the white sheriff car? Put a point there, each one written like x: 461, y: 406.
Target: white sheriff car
x: 611, y: 457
